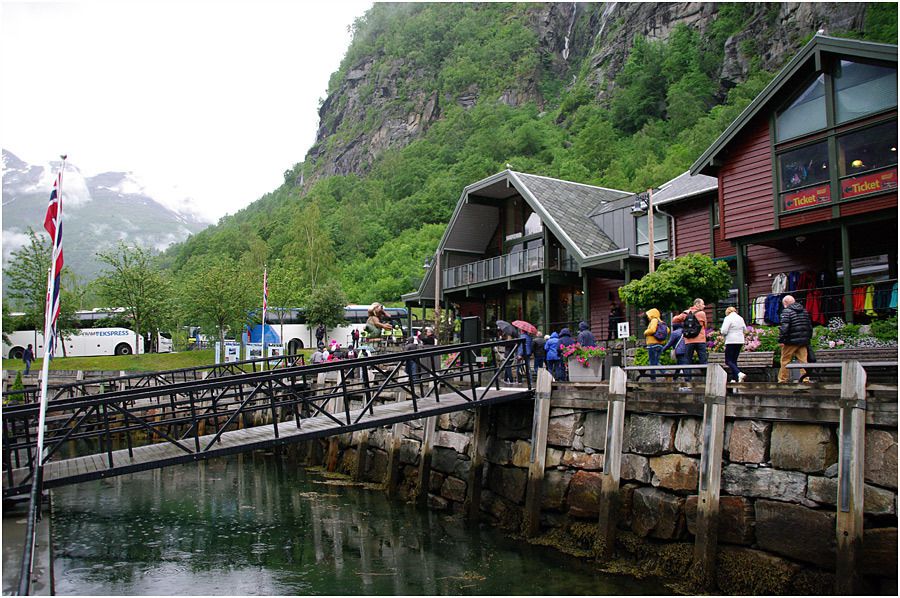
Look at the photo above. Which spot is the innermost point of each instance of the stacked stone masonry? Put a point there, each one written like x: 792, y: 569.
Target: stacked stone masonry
x: 778, y: 489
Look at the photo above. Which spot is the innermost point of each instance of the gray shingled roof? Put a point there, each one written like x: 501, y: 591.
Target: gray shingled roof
x: 684, y: 186
x: 568, y: 206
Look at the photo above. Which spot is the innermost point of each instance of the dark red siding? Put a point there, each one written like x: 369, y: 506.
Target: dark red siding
x: 870, y: 205
x: 599, y: 309
x: 765, y: 262
x: 807, y: 217
x: 746, y: 183
x: 691, y: 226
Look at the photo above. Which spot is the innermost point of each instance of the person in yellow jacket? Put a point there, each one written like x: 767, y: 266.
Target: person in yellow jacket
x: 651, y: 336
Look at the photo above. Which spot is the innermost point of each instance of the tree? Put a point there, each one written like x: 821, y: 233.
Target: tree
x: 216, y: 294
x: 326, y: 306
x: 131, y: 280
x: 678, y: 282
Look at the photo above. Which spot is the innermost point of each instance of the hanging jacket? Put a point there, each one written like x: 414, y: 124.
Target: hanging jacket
x: 893, y: 303
x: 772, y: 304
x: 779, y: 283
x: 551, y: 347
x: 793, y: 280
x: 760, y: 311
x: 585, y: 336
x: 796, y: 327
x: 814, y: 307
x: 868, y: 302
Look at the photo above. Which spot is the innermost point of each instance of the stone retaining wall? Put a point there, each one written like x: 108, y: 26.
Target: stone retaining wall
x: 778, y: 490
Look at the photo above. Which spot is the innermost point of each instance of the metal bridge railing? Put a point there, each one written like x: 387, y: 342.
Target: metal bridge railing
x: 93, y: 386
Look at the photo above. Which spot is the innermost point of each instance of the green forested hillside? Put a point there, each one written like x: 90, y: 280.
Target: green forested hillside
x: 372, y: 230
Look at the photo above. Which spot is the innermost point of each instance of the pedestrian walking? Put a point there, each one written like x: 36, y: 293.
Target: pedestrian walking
x: 551, y: 348
x: 733, y: 329
x: 565, y: 340
x: 693, y: 322
x: 585, y: 336
x: 537, y: 349
x: 655, y: 337
x: 320, y: 334
x: 354, y: 336
x: 676, y: 344
x: 794, y: 336
x: 523, y: 355
x: 28, y: 357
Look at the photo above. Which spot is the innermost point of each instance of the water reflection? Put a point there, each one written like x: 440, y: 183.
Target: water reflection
x: 252, y: 525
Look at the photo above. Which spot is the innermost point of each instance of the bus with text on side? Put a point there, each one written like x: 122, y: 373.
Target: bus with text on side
x: 90, y: 339
x: 289, y: 326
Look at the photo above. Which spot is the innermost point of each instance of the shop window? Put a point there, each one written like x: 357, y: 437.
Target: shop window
x: 806, y: 113
x: 867, y: 160
x: 660, y: 235
x: 805, y: 178
x: 715, y: 214
x: 862, y: 89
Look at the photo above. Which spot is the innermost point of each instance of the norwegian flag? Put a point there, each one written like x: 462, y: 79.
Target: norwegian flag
x: 53, y: 225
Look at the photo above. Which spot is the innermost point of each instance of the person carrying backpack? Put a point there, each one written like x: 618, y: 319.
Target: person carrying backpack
x: 693, y: 325
x: 585, y: 336
x: 655, y: 337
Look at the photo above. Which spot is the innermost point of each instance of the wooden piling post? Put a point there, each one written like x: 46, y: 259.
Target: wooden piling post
x: 851, y: 477
x: 612, y: 464
x: 362, y: 451
x: 707, y: 536
x: 425, y: 459
x: 337, y: 408
x: 540, y: 425
x: 479, y: 442
x: 392, y: 476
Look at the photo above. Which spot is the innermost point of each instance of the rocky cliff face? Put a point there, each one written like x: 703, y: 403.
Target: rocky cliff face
x: 568, y: 34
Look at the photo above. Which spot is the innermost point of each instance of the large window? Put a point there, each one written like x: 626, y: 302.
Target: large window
x: 805, y: 114
x: 660, y: 235
x: 805, y: 177
x: 867, y: 160
x: 862, y: 89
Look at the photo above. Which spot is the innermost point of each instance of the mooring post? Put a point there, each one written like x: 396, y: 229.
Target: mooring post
x: 362, y: 451
x: 851, y: 476
x: 392, y: 476
x: 707, y: 537
x: 479, y: 442
x: 425, y: 459
x: 337, y: 408
x: 612, y: 464
x: 539, y: 428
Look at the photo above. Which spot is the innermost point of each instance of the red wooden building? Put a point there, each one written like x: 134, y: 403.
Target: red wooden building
x: 807, y: 183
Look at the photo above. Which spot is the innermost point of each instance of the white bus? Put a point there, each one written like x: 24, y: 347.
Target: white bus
x: 289, y: 326
x: 86, y: 341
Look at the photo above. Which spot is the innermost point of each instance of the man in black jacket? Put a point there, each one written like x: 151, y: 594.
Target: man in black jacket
x: 795, y: 333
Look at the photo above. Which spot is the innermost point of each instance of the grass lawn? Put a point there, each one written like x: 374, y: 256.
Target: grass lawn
x: 148, y: 362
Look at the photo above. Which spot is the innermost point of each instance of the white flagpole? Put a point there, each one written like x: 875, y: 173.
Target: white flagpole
x: 265, y: 305
x: 34, y: 509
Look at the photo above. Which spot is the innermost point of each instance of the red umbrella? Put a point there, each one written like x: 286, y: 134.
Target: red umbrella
x: 525, y: 326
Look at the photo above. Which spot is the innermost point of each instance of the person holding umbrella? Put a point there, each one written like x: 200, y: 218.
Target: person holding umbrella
x: 505, y: 331
x: 523, y: 353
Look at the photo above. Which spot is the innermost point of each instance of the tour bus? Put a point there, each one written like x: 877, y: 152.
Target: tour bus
x: 289, y: 326
x: 87, y: 340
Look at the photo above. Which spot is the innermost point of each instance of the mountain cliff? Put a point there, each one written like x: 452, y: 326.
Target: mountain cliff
x: 432, y: 97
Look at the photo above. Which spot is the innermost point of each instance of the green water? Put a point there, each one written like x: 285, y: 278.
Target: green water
x: 252, y: 524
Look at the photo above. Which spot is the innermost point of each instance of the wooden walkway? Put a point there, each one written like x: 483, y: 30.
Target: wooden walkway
x: 163, y: 454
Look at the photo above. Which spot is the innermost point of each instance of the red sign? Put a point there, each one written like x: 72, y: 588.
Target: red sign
x: 869, y: 183
x: 807, y: 198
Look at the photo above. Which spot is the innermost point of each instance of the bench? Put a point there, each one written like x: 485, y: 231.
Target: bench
x: 697, y: 370
x: 758, y: 365
x: 876, y: 371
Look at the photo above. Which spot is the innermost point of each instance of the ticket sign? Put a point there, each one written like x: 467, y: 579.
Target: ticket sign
x: 807, y: 198
x: 869, y: 183
x: 623, y: 330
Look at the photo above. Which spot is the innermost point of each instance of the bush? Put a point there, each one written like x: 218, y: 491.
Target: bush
x: 885, y: 330
x: 642, y: 358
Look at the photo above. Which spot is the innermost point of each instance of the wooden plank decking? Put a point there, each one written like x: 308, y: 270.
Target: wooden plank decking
x: 95, y: 466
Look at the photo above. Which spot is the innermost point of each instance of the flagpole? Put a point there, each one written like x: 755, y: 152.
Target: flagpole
x: 34, y: 508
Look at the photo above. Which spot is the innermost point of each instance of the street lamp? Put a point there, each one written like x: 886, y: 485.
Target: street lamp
x: 437, y: 291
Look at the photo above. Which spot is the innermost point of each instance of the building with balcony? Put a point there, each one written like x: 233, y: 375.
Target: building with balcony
x: 552, y: 252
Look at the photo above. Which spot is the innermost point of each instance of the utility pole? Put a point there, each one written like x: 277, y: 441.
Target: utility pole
x: 650, y: 230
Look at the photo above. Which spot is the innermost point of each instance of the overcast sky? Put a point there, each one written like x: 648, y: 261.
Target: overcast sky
x: 210, y: 100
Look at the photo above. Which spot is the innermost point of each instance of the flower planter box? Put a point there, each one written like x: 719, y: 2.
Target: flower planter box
x: 592, y: 373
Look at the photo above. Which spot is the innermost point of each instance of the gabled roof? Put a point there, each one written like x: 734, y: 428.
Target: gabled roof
x: 684, y: 186
x: 813, y: 51
x: 564, y: 207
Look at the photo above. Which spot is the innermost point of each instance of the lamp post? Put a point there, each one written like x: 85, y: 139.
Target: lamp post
x: 436, y: 262
x: 650, y: 230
